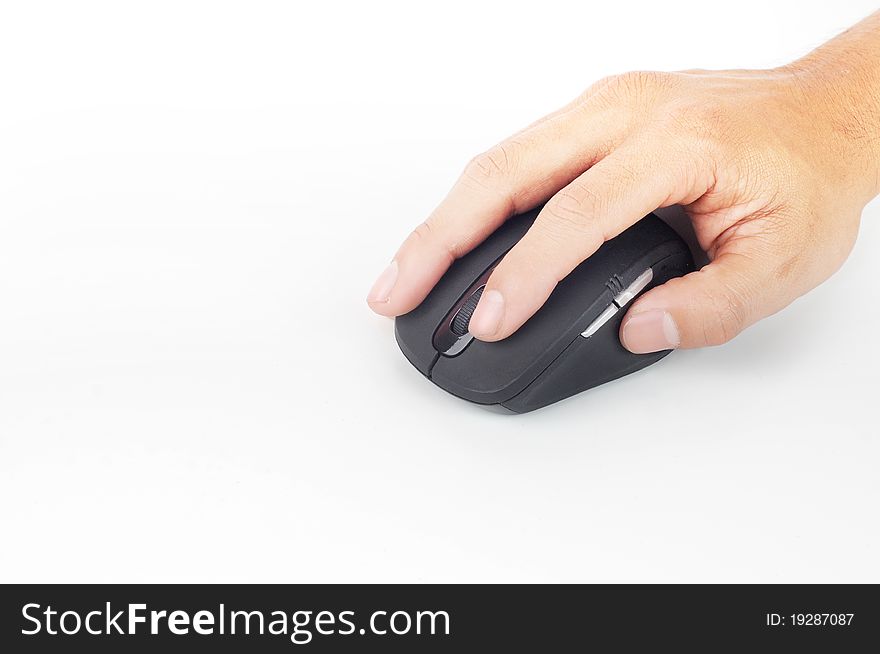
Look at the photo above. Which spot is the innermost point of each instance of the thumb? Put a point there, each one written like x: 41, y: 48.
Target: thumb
x: 707, y: 307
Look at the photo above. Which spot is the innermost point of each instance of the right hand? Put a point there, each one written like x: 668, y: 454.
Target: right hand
x: 773, y: 167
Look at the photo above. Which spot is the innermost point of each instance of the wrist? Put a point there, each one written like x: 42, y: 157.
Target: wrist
x: 840, y: 84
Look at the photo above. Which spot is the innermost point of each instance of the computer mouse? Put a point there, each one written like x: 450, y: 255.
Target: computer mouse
x: 570, y: 345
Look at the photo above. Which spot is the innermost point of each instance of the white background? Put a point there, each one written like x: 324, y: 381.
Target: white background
x: 195, y: 199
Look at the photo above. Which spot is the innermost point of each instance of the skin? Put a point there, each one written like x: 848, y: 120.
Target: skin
x: 773, y: 167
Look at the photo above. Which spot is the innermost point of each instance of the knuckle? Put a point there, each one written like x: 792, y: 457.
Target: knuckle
x: 579, y: 201
x: 612, y: 88
x: 633, y: 94
x: 636, y: 82
x: 565, y: 211
x: 640, y: 79
x: 599, y: 87
x: 420, y: 235
x: 493, y: 168
x: 427, y: 233
x: 423, y: 231
x: 568, y: 216
x: 730, y: 323
x: 729, y: 310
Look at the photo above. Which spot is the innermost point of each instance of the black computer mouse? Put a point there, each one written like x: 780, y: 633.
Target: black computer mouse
x: 570, y: 345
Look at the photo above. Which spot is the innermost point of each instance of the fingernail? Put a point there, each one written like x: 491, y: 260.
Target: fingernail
x: 650, y: 331
x: 487, y: 317
x: 381, y: 291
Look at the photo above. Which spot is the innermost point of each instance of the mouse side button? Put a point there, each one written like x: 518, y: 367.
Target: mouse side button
x: 620, y: 301
x: 604, y: 317
x: 626, y: 295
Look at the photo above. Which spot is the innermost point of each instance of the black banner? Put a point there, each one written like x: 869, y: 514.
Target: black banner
x: 436, y: 618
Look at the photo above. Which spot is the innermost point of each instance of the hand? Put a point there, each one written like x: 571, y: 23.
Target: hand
x: 773, y: 168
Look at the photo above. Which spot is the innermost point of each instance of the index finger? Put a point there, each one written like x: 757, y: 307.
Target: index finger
x: 510, y: 178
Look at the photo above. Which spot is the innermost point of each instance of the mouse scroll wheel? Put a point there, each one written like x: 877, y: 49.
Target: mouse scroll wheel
x: 463, y: 317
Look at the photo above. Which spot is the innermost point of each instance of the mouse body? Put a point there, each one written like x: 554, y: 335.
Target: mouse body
x: 570, y: 345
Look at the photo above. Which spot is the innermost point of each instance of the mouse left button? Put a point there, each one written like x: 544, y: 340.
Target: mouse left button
x: 419, y: 333
x: 414, y: 330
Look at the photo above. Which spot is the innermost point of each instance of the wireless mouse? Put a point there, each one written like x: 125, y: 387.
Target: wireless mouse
x: 570, y: 345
